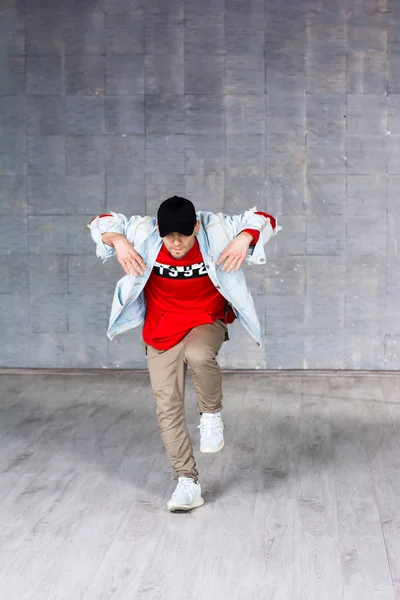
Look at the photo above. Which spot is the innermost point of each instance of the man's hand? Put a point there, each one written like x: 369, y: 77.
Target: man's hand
x: 128, y: 258
x: 236, y: 252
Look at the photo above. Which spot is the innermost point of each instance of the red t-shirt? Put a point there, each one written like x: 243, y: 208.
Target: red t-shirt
x: 180, y: 296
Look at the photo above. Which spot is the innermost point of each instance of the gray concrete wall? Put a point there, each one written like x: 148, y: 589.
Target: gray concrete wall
x: 290, y: 105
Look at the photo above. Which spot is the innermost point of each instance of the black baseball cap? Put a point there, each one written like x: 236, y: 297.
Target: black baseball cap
x: 178, y: 215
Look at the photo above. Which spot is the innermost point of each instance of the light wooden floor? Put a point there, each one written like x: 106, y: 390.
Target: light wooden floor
x: 303, y: 503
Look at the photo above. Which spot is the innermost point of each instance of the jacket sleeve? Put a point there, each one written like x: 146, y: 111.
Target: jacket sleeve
x: 260, y: 222
x: 255, y: 233
x: 112, y: 222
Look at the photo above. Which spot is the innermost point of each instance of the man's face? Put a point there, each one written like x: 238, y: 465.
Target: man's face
x: 178, y: 245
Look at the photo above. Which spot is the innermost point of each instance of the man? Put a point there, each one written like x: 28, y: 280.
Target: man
x: 183, y: 281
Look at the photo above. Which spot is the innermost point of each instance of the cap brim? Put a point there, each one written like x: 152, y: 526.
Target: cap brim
x: 183, y: 230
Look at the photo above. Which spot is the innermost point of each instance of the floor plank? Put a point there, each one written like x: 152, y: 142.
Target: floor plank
x: 383, y: 445
x: 318, y: 572
x: 365, y: 568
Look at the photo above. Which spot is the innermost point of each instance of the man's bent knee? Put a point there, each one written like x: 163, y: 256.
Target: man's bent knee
x: 198, y: 357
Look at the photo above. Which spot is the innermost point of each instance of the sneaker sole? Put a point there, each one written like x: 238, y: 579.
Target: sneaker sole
x: 212, y: 451
x: 185, y: 507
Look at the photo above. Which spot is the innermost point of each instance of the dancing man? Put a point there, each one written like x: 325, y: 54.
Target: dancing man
x: 184, y: 285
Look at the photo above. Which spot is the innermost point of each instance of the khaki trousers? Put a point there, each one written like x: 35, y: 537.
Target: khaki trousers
x: 167, y: 376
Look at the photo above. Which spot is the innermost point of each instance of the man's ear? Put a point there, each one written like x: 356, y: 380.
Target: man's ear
x: 197, y: 227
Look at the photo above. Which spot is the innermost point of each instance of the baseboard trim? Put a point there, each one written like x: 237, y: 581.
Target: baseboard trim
x: 263, y: 372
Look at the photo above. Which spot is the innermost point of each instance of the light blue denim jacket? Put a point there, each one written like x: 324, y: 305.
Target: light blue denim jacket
x: 216, y: 231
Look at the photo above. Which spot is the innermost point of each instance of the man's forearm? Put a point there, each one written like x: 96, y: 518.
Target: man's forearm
x: 109, y: 237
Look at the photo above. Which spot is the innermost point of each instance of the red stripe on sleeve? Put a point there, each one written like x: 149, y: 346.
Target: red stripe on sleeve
x: 272, y: 219
x: 100, y: 216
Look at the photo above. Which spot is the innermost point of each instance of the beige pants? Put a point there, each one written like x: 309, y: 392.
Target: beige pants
x: 167, y: 375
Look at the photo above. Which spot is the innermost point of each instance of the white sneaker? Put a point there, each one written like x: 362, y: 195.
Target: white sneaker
x: 211, y: 433
x: 187, y: 495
